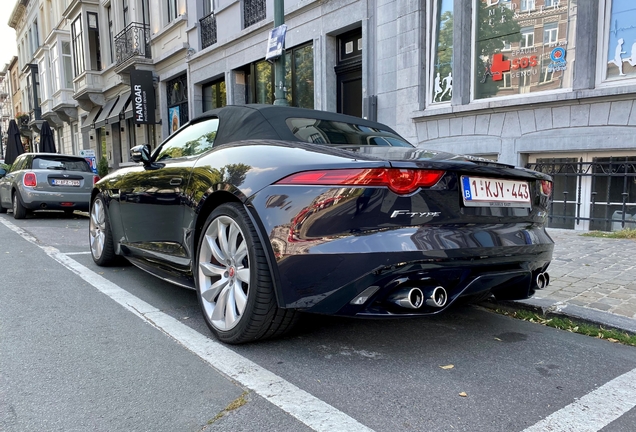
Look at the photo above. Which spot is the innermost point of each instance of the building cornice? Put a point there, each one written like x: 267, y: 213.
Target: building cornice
x: 18, y: 11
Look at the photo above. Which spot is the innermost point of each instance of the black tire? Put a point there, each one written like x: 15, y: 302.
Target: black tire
x: 19, y: 210
x: 245, y: 311
x: 2, y: 209
x: 100, y: 238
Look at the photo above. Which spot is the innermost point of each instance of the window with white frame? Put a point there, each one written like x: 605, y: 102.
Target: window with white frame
x: 44, y: 84
x: 442, y: 79
x: 67, y: 64
x: 620, y: 40
x: 527, y: 37
x: 550, y: 33
x: 547, y: 71
x: 110, y: 34
x: 55, y: 68
x: 36, y: 36
x: 78, y: 47
x: 526, y: 5
x: 172, y: 11
x: 551, y: 3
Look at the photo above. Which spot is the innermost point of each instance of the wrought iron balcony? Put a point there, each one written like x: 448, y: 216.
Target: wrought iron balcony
x: 132, y: 41
x: 207, y: 28
x: 253, y: 12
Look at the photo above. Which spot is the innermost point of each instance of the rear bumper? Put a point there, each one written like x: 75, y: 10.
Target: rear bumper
x: 503, y: 259
x: 44, y: 200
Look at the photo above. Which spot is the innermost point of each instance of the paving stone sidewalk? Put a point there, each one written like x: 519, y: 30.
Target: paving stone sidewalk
x: 591, y: 278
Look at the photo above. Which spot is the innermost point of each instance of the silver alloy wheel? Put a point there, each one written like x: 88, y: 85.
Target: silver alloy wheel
x: 224, y: 273
x: 97, y: 228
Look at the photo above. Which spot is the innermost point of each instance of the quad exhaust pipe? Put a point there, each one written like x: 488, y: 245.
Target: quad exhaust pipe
x: 543, y: 280
x: 415, y: 298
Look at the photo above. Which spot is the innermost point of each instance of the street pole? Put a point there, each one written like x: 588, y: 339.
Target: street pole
x: 279, y: 64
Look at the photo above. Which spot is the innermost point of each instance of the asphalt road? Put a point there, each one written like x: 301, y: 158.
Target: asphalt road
x: 73, y: 359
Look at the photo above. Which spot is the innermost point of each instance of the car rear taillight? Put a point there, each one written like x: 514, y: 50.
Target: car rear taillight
x: 400, y: 181
x: 30, y: 179
x: 546, y: 188
x: 95, y: 179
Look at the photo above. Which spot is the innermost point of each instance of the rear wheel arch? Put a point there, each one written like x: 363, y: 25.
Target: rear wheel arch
x: 218, y: 198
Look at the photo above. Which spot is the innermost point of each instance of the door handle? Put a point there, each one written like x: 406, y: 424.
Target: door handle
x: 175, y: 181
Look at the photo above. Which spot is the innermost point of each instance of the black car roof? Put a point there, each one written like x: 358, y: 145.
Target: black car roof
x: 259, y: 121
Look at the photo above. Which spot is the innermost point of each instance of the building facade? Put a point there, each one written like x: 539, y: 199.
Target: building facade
x: 545, y: 83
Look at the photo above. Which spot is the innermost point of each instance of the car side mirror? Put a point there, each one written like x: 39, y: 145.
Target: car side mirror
x: 141, y: 153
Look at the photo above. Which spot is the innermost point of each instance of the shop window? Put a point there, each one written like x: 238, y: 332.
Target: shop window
x: 620, y: 39
x: 299, y: 79
x: 506, y: 43
x: 443, y: 52
x: 78, y: 47
x: 177, y: 92
x: 214, y: 95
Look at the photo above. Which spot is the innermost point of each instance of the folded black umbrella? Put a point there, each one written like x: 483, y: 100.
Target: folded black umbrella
x: 47, y: 143
x: 14, y: 143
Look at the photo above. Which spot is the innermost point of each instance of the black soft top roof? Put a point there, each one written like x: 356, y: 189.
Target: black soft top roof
x: 256, y: 121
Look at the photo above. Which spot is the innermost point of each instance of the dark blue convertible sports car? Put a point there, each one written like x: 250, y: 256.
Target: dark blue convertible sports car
x: 269, y: 210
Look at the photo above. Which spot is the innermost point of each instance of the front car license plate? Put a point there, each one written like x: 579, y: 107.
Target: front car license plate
x: 65, y: 182
x: 490, y: 192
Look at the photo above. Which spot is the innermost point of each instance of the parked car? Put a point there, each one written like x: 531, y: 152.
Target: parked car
x: 46, y: 181
x: 269, y: 210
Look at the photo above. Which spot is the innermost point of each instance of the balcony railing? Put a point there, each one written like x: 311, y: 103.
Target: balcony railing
x: 207, y: 28
x: 253, y: 12
x: 132, y: 41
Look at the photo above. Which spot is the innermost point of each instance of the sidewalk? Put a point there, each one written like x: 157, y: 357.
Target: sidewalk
x: 591, y: 278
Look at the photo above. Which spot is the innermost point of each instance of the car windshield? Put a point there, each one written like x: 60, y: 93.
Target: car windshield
x: 60, y: 163
x: 340, y: 133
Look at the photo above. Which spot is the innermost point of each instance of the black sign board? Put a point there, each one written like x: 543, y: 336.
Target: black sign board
x: 142, y: 95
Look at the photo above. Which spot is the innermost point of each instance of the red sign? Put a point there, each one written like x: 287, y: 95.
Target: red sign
x: 499, y: 66
x: 524, y: 62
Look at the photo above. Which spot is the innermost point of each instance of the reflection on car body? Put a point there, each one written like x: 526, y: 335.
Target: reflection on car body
x: 281, y: 209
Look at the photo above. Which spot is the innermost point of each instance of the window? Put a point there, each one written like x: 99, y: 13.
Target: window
x: 67, y: 63
x: 443, y: 61
x: 526, y: 5
x: 191, y: 141
x: 208, y: 7
x: 253, y: 12
x: 551, y: 3
x: 508, y: 59
x: 546, y: 71
x: 299, y: 79
x: 527, y: 37
x: 43, y: 79
x: 620, y: 37
x: 214, y: 95
x: 78, y: 47
x: 126, y: 13
x: 338, y: 133
x: 110, y: 34
x: 36, y: 36
x: 55, y: 68
x: 550, y: 33
x: 177, y: 96
x: 172, y: 10
x: 94, y: 47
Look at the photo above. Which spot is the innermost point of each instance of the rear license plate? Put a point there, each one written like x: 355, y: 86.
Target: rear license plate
x: 65, y: 182
x: 490, y: 192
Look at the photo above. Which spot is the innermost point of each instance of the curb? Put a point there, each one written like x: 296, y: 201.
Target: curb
x: 579, y: 313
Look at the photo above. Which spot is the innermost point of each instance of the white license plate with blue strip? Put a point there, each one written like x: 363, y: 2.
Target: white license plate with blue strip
x: 491, y: 192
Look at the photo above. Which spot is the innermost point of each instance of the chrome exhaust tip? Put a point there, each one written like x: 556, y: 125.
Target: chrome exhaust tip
x: 542, y: 281
x: 410, y: 298
x: 436, y: 297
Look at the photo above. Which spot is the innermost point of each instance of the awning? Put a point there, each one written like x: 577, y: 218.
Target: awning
x: 102, y: 118
x: 90, y: 119
x: 128, y: 111
x: 118, y: 109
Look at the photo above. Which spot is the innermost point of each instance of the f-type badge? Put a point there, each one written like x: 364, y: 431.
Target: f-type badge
x: 397, y: 213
